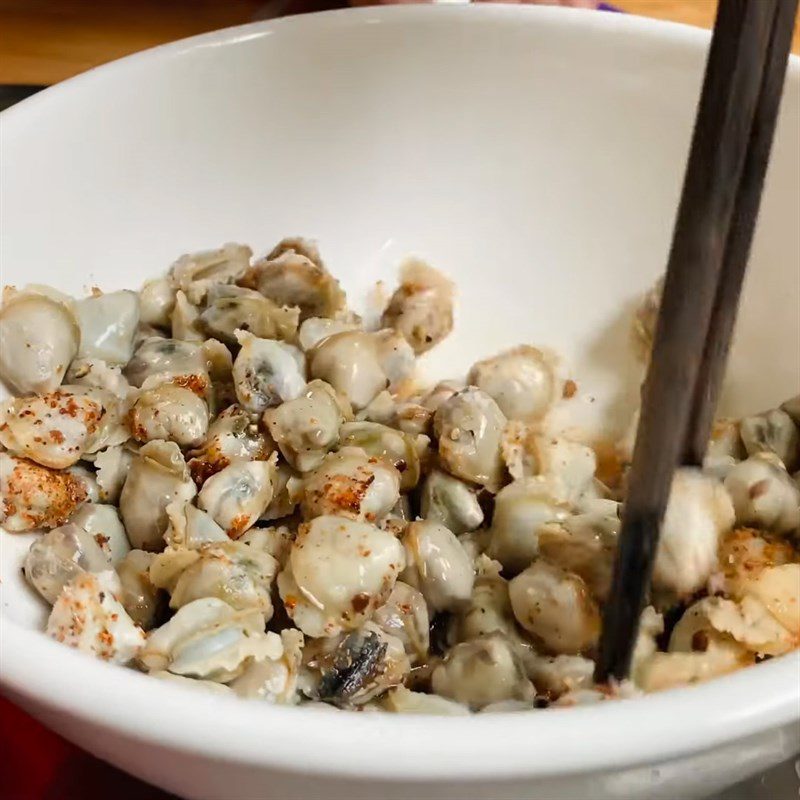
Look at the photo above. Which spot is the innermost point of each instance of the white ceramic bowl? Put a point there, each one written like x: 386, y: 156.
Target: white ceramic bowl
x: 536, y: 155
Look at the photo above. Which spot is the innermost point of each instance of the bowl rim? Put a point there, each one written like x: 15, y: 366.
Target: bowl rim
x: 654, y: 728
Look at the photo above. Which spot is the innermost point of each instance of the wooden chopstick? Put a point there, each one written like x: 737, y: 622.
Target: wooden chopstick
x: 740, y: 237
x: 702, y: 241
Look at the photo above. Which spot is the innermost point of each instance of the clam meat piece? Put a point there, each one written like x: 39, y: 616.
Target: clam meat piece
x: 402, y: 701
x: 765, y: 569
x: 338, y: 572
x: 267, y: 373
x: 585, y: 544
x: 143, y: 601
x: 234, y: 572
x: 60, y: 555
x: 159, y: 360
x: 231, y: 437
x: 185, y: 320
x: 698, y: 513
x: 238, y: 495
x: 725, y: 448
x: 306, y: 428
x: 521, y: 510
x: 314, y: 329
x: 275, y: 540
x: 229, y: 308
x: 349, y: 483
x: 33, y: 496
x: 451, y: 502
x: 297, y: 244
x: 292, y: 279
x: 481, y: 672
x: 527, y: 453
x: 211, y: 640
x: 715, y: 619
x: 93, y: 372
x: 157, y: 476
x: 196, y: 273
x: 400, y: 449
x: 522, y: 382
x: 773, y: 432
x: 437, y: 565
x: 421, y: 308
x: 56, y: 429
x: 555, y: 676
x: 364, y: 664
x: 190, y: 528
x: 488, y: 609
x: 112, y: 464
x: 103, y: 524
x: 89, y: 479
x: 156, y: 301
x: 40, y: 338
x: 170, y: 412
x: 274, y: 680
x: 286, y: 491
x: 469, y: 428
x: 556, y: 608
x: 405, y: 616
x: 108, y: 325
x: 360, y: 365
x: 88, y: 616
x: 764, y: 495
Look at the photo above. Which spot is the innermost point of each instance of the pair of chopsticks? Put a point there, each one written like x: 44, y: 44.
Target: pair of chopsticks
x: 713, y: 231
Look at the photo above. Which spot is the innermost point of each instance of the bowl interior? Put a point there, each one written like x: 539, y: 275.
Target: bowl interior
x: 536, y: 156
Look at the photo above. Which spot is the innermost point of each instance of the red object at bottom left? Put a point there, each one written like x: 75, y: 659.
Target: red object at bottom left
x: 37, y: 764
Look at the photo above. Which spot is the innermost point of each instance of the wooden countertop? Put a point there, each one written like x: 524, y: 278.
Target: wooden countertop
x: 46, y: 41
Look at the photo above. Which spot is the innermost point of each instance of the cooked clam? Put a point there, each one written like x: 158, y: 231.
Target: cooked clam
x: 157, y: 476
x: 267, y: 373
x: 339, y: 571
x: 238, y: 495
x: 108, y: 325
x: 88, y: 616
x: 112, y: 466
x: 234, y: 572
x: 364, y: 664
x: 763, y: 494
x: 482, y: 671
x: 229, y: 308
x: 405, y: 616
x: 156, y: 301
x: 405, y: 452
x: 103, y: 524
x: 142, y: 600
x: 451, y: 502
x: 196, y: 273
x: 61, y: 555
x: 56, y: 429
x: 421, y: 308
x: 159, y: 360
x: 292, y: 279
x: 556, y: 608
x: 469, y: 428
x: 349, y: 483
x: 34, y: 496
x: 773, y: 432
x: 231, y: 437
x: 360, y: 365
x: 40, y: 338
x: 209, y: 639
x: 170, y: 412
x: 274, y: 680
x: 189, y: 527
x: 522, y: 382
x: 306, y: 428
x: 437, y: 565
x: 699, y: 512
x: 314, y: 329
x: 185, y: 320
x: 521, y: 510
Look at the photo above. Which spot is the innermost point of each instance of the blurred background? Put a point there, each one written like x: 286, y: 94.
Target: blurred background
x: 46, y: 41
